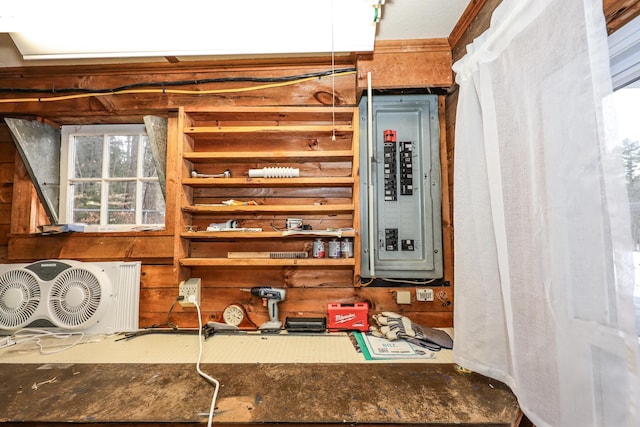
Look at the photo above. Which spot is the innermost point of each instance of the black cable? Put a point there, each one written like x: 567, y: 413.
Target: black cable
x: 168, y: 322
x: 178, y: 83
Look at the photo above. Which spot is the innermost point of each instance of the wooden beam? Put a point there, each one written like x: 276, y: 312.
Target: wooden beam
x: 151, y: 247
x: 474, y: 21
x: 24, y: 204
x: 466, y: 20
x: 125, y: 95
x: 446, y: 166
x: 407, y: 64
x: 619, y: 12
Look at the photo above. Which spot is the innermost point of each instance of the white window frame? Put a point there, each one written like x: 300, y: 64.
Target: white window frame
x: 66, y: 169
x: 624, y: 55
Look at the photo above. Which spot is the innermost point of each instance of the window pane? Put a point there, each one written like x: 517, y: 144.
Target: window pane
x: 123, y: 156
x: 86, y: 202
x: 148, y: 165
x: 116, y: 160
x: 88, y: 157
x: 122, y: 203
x: 627, y: 102
x: 152, y: 203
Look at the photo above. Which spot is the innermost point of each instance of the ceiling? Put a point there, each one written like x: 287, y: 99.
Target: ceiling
x: 401, y: 19
x: 419, y: 19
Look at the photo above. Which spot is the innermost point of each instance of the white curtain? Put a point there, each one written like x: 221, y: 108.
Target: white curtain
x: 543, y: 261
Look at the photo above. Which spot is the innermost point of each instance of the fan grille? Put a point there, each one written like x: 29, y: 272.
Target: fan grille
x: 74, y: 298
x: 19, y: 298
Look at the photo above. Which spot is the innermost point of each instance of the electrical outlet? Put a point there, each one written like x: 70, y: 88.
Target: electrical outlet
x: 424, y: 294
x: 187, y: 288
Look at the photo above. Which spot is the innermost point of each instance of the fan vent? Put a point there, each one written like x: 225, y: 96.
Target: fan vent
x: 19, y: 298
x: 93, y: 297
x: 75, y: 298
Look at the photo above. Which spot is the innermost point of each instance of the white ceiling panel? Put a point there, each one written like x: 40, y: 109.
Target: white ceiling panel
x: 400, y: 19
x: 419, y: 19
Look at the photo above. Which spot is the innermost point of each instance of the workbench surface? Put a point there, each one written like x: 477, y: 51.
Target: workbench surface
x: 303, y: 394
x: 303, y: 379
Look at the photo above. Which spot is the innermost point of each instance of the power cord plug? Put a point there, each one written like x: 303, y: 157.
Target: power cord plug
x: 7, y: 342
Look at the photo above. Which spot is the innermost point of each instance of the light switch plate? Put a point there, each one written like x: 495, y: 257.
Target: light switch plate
x: 403, y: 297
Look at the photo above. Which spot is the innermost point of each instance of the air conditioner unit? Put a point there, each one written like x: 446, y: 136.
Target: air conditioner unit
x: 100, y: 297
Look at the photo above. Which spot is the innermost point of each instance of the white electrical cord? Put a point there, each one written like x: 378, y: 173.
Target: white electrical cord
x: 36, y: 335
x: 216, y: 383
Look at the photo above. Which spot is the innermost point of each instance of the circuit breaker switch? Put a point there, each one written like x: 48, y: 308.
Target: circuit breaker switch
x: 408, y: 245
x: 391, y: 239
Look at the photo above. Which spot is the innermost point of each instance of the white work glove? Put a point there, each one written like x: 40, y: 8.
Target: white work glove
x: 393, y: 326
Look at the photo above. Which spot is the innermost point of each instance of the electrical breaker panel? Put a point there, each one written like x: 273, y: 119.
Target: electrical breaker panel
x: 400, y: 187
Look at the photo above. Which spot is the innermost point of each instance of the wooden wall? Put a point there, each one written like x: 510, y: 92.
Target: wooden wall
x: 619, y: 12
x: 159, y: 286
x: 7, y: 162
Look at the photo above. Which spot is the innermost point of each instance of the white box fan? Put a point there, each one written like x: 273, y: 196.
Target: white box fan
x: 100, y: 297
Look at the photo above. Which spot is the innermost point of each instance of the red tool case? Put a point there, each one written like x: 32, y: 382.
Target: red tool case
x: 348, y: 316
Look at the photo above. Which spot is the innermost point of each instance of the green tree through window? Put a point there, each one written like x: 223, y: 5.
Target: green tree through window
x: 631, y: 156
x: 112, y: 180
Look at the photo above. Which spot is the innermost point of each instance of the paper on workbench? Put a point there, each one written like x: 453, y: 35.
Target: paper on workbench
x: 381, y: 348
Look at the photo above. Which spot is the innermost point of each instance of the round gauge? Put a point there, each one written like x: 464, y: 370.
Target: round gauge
x: 233, y: 315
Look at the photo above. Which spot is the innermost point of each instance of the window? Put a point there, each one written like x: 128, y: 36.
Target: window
x: 624, y: 51
x: 108, y: 179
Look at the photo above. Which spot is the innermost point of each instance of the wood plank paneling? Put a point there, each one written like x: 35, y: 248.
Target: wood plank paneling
x: 130, y: 105
x: 446, y: 179
x: 5, y: 214
x: 474, y: 21
x: 4, y: 239
x: 407, y: 64
x: 152, y: 247
x: 300, y: 302
x: 619, y: 12
x: 24, y: 209
x: 7, y: 170
x: 157, y: 276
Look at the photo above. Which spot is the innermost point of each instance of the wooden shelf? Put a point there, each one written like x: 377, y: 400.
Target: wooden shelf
x: 322, y: 142
x: 221, y: 235
x: 269, y: 182
x: 291, y: 156
x: 282, y: 209
x: 305, y: 262
x: 308, y: 129
x: 277, y: 113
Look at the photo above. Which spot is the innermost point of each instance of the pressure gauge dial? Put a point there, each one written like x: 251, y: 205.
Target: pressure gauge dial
x: 234, y: 315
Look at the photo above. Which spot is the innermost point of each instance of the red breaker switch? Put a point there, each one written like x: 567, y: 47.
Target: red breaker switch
x: 389, y: 135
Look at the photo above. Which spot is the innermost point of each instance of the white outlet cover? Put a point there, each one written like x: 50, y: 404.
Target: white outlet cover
x: 187, y: 288
x: 424, y: 294
x: 403, y: 297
